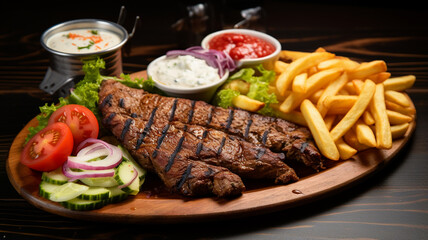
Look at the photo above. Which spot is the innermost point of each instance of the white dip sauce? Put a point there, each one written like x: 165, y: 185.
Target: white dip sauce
x: 184, y: 71
x: 83, y: 41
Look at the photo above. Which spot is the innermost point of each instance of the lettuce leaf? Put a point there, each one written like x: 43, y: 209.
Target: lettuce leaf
x: 140, y: 83
x: 85, y: 93
x: 43, y: 118
x: 224, y: 97
x: 259, y: 79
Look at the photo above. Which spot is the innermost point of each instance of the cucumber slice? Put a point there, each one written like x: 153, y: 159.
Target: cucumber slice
x: 56, y: 177
x: 95, y: 193
x: 100, y: 182
x: 83, y: 205
x: 67, y: 192
x: 127, y: 157
x: 124, y: 174
x: 46, y: 189
x: 117, y: 195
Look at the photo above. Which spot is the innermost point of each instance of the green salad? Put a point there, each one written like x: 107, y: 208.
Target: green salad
x: 251, y: 82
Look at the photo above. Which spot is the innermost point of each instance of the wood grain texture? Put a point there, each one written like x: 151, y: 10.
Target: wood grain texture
x: 143, y: 208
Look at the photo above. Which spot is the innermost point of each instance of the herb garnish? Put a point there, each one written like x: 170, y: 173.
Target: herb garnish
x: 91, y: 43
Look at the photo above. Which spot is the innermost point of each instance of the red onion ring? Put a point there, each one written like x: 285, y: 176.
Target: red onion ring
x: 110, y: 156
x: 216, y: 59
x: 73, y: 175
x: 90, y: 141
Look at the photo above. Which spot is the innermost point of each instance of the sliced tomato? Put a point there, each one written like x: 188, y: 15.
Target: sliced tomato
x: 49, y: 148
x: 81, y: 121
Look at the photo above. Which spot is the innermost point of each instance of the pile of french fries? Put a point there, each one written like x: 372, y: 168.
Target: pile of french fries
x: 348, y: 106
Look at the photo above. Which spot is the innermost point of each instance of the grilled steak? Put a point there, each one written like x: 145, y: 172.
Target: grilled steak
x: 274, y: 133
x: 192, y: 159
x: 161, y: 151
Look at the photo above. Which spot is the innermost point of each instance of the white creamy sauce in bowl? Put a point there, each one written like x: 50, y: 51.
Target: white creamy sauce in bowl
x: 184, y: 71
x: 83, y: 40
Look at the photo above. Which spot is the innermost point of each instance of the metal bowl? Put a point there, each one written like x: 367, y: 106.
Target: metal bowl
x: 66, y: 68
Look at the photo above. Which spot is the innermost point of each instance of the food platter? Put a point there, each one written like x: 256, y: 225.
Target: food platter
x: 164, y: 208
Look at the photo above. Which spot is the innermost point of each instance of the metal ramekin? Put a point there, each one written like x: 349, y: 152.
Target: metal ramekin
x: 66, y: 68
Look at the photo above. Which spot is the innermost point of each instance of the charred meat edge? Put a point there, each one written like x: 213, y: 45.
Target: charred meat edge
x: 274, y: 133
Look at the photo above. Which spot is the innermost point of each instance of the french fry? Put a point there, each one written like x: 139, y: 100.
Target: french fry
x: 246, y: 103
x: 368, y: 118
x: 331, y: 90
x: 319, y: 131
x: 351, y: 138
x: 356, y: 111
x: 398, y: 108
x: 399, y: 83
x: 316, y: 96
x: 336, y: 62
x: 397, y: 97
x: 343, y: 92
x: 292, y: 101
x: 366, y: 69
x: 378, y: 110
x: 293, y: 116
x: 321, y: 79
x: 358, y: 85
x: 348, y: 106
x: 298, y: 84
x: 365, y: 134
x: 398, y: 131
x: 339, y: 104
x: 313, y: 83
x: 288, y: 55
x: 345, y: 150
x: 312, y: 70
x: 320, y: 49
x: 379, y: 77
x: 296, y: 67
x: 330, y: 63
x: 239, y: 85
x: 280, y: 66
x: 397, y: 118
x: 349, y: 88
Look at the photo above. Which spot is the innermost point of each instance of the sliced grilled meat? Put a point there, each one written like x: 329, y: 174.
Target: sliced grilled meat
x: 149, y: 135
x: 161, y: 151
x: 276, y: 134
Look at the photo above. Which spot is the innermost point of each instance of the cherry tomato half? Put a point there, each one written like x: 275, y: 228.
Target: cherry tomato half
x: 81, y: 121
x: 49, y: 148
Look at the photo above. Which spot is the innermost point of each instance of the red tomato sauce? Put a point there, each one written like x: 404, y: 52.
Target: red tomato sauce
x: 240, y: 46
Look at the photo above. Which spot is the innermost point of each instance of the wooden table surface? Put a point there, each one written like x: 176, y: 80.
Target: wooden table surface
x: 390, y: 204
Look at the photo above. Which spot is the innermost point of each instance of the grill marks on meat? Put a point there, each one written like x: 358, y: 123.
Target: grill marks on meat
x: 163, y: 154
x: 245, y: 159
x: 274, y: 133
x: 183, y: 142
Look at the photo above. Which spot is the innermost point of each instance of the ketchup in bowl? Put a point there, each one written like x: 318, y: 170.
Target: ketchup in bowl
x: 241, y: 46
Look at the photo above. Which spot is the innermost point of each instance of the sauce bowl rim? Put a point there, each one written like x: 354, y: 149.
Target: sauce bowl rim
x: 250, y: 32
x: 184, y: 90
x: 64, y: 25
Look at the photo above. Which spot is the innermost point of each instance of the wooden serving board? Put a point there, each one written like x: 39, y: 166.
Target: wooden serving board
x: 164, y: 208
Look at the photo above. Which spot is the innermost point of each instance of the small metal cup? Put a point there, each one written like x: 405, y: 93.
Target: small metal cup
x: 66, y: 68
